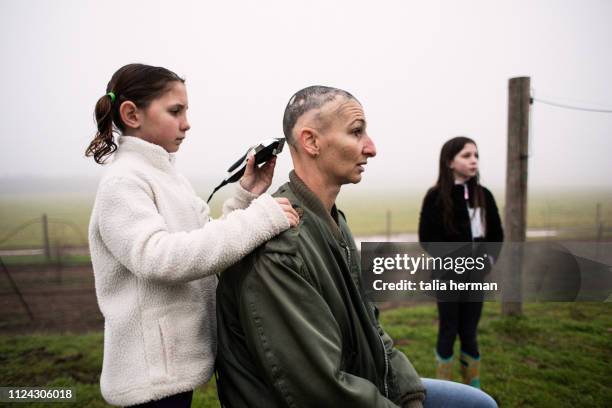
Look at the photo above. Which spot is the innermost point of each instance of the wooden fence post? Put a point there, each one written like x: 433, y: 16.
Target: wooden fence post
x: 388, y: 225
x: 515, y: 216
x: 46, y: 246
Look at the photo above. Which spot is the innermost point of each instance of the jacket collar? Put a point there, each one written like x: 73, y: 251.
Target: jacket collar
x: 152, y: 153
x: 312, y: 202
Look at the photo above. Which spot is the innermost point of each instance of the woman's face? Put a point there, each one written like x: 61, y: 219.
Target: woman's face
x: 465, y: 163
x: 345, y: 143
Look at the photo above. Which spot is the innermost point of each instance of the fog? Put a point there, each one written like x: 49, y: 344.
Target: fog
x: 425, y: 71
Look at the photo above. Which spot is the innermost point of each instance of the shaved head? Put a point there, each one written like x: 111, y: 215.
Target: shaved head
x: 306, y: 100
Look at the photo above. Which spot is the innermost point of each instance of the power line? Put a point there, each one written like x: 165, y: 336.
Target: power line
x: 580, y: 108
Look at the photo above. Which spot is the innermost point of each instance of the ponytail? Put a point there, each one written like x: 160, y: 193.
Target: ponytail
x: 103, y: 144
x: 138, y: 83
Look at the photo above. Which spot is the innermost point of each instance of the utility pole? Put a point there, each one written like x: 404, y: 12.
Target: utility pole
x: 515, y: 216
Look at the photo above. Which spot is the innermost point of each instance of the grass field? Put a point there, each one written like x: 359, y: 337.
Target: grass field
x: 366, y: 213
x: 72, y: 210
x: 558, y: 355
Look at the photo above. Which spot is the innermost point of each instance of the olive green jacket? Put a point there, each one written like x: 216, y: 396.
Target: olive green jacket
x: 294, y: 328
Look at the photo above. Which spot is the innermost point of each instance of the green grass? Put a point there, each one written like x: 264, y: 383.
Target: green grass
x: 31, y: 260
x: 366, y: 212
x: 558, y: 355
x: 68, y: 216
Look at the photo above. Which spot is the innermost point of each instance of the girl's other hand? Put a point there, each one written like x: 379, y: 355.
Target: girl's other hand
x: 290, y: 213
x: 257, y: 179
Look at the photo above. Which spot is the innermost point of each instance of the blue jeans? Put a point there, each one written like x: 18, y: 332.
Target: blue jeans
x: 452, y: 394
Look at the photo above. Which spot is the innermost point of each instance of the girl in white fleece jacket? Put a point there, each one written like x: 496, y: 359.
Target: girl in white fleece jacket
x: 155, y: 249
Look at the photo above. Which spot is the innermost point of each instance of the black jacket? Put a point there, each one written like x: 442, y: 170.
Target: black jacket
x: 431, y: 227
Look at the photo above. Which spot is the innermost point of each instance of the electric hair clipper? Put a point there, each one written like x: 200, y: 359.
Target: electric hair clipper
x: 264, y: 151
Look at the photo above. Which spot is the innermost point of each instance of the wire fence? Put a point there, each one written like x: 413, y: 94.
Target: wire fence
x: 51, y: 285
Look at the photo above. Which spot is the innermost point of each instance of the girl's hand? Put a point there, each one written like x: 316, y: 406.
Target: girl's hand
x: 257, y: 179
x: 290, y: 213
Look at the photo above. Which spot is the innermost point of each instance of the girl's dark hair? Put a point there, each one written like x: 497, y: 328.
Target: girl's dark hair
x: 137, y: 83
x: 446, y: 182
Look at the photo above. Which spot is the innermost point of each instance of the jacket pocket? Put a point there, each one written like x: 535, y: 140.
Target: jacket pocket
x: 188, y: 338
x: 155, y: 343
x: 180, y: 341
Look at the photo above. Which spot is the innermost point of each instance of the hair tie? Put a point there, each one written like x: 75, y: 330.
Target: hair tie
x: 112, y: 96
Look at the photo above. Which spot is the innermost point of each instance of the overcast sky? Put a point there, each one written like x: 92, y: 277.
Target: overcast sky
x: 424, y: 71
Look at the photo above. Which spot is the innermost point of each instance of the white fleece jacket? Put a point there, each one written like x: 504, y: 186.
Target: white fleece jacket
x: 154, y: 251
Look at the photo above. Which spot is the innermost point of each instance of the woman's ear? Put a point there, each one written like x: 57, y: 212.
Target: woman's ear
x: 309, y: 140
x: 130, y: 115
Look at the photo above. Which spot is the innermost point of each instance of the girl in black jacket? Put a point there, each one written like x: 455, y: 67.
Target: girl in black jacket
x: 459, y: 209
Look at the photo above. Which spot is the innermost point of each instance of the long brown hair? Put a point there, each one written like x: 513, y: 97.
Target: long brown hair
x: 138, y: 83
x: 446, y: 182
